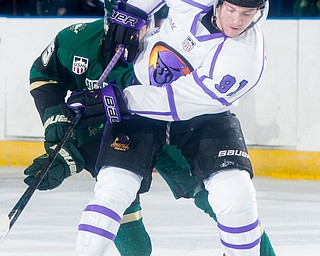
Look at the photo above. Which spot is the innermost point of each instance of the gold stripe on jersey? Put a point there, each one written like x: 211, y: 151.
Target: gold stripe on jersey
x: 38, y: 84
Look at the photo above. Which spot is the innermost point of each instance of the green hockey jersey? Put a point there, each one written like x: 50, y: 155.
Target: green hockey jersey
x: 74, y: 60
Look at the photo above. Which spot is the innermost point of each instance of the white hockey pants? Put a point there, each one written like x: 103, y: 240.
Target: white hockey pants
x: 114, y: 191
x: 232, y: 197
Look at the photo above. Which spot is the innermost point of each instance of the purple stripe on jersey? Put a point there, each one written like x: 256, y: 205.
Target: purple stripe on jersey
x: 195, y: 4
x: 199, y: 80
x: 215, y: 57
x: 97, y: 231
x: 150, y: 113
x: 156, y: 7
x: 207, y: 91
x: 242, y: 246
x: 203, y: 37
x: 238, y: 230
x: 103, y: 210
x: 209, y: 37
x: 172, y: 104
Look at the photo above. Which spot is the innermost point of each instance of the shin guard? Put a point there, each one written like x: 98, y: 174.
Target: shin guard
x: 114, y: 191
x: 233, y: 199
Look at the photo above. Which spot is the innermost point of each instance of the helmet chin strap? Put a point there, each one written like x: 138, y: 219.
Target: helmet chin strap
x: 256, y: 21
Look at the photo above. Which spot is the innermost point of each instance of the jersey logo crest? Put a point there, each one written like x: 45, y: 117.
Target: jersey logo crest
x: 188, y: 44
x: 78, y: 27
x: 166, y: 65
x: 79, y: 65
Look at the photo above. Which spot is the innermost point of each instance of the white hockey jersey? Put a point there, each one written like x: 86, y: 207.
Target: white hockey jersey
x: 185, y: 71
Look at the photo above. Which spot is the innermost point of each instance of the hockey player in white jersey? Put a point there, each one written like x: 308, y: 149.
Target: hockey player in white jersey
x: 190, y: 74
x: 221, y: 61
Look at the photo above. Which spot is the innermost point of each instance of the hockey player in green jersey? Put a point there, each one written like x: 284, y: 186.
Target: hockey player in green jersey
x: 74, y: 61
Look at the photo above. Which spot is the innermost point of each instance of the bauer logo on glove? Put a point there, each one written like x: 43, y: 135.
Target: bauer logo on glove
x: 111, y: 109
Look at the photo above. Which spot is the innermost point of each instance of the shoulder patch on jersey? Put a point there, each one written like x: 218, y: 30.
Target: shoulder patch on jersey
x: 47, y: 53
x: 166, y: 65
x: 188, y: 44
x: 80, y: 65
x: 76, y: 28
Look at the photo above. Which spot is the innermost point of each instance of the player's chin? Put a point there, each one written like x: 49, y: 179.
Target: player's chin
x: 232, y: 32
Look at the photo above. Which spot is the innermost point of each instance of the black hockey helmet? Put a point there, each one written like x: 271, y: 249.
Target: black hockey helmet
x: 246, y: 3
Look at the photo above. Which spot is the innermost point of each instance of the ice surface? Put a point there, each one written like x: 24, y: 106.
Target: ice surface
x: 289, y: 210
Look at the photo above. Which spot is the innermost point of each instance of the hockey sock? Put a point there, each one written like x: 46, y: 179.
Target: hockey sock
x: 233, y: 199
x: 132, y: 238
x: 266, y: 248
x: 201, y: 201
x: 114, y: 191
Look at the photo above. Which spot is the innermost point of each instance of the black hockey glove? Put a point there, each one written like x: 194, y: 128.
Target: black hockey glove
x: 56, y: 124
x: 99, y: 106
x: 67, y: 162
x: 124, y: 26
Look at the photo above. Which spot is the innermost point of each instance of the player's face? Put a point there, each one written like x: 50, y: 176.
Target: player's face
x: 232, y: 20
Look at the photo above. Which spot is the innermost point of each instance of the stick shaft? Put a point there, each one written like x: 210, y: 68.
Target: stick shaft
x: 110, y: 66
x: 24, y: 199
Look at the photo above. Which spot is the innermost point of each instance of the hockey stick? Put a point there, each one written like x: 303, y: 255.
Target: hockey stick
x: 7, y: 221
x: 110, y: 66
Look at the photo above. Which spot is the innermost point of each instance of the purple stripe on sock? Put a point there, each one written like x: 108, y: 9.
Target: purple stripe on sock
x: 239, y: 229
x: 103, y: 210
x: 97, y: 231
x: 241, y: 246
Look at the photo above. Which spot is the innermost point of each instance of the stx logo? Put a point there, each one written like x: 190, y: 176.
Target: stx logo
x: 123, y: 18
x: 111, y: 109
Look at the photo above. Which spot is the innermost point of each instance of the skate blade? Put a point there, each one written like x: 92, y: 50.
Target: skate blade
x: 4, y: 226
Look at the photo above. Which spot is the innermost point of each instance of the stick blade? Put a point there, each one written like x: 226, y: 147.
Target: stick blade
x: 4, y: 226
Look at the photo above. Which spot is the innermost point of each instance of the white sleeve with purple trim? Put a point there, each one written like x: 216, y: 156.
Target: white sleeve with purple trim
x: 150, y: 6
x: 185, y: 71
